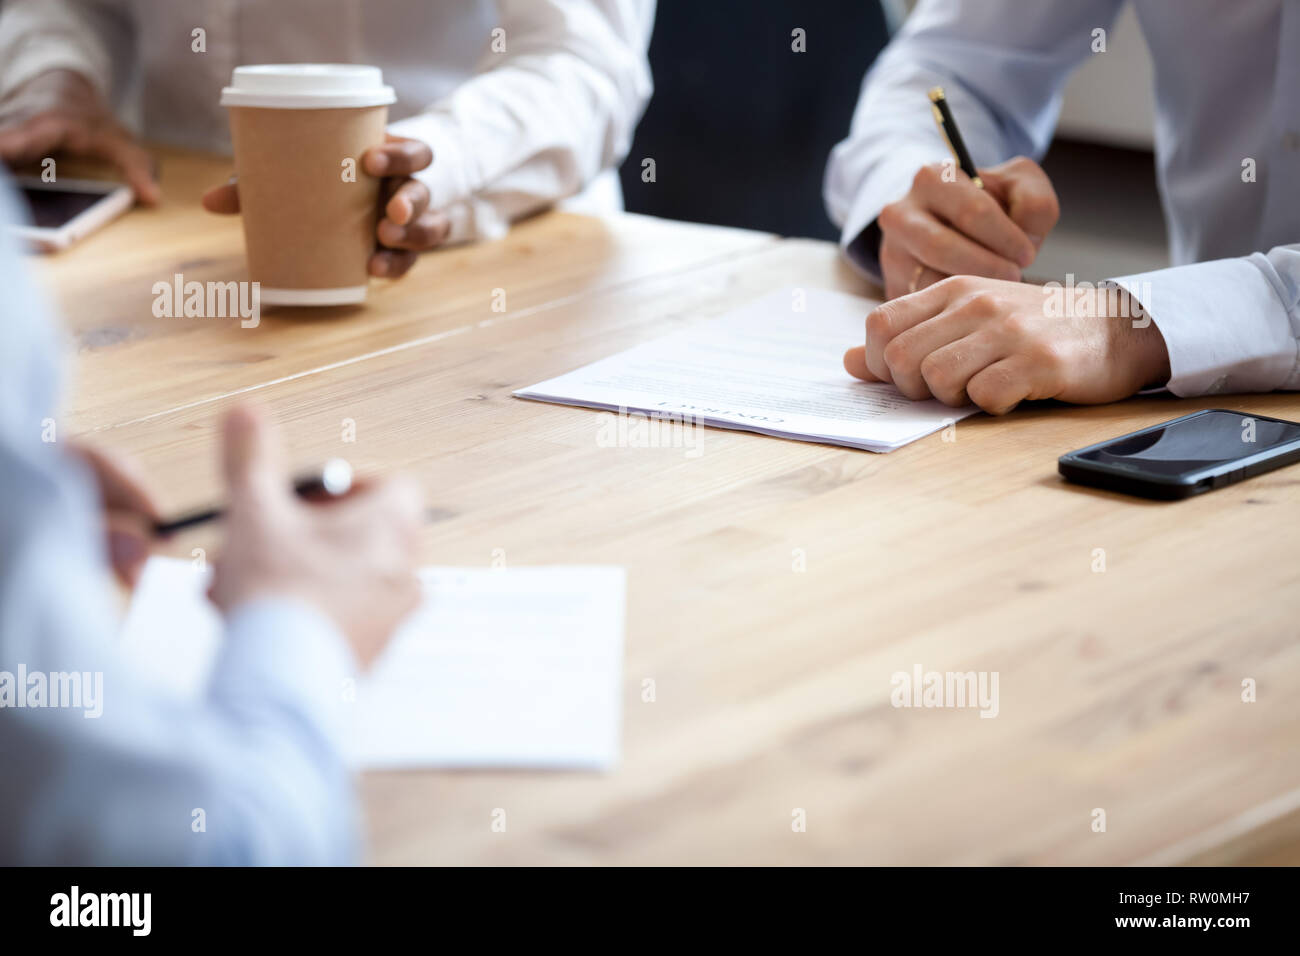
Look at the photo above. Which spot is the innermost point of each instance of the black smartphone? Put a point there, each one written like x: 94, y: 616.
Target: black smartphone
x: 1186, y: 456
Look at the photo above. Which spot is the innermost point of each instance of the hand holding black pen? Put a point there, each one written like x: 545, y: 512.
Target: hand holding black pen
x: 957, y: 219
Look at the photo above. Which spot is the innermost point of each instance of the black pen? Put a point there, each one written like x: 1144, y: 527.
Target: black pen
x: 332, y: 481
x: 948, y: 127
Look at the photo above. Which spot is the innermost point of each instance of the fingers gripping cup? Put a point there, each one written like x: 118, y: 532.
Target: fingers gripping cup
x: 309, y: 209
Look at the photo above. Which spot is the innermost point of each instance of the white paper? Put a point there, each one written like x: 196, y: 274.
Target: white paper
x: 511, y: 667
x: 765, y: 367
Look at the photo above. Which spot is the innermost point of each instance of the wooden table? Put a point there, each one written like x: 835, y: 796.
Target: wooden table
x: 774, y: 586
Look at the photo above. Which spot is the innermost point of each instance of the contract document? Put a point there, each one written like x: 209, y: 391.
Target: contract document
x: 774, y: 366
x: 509, y: 667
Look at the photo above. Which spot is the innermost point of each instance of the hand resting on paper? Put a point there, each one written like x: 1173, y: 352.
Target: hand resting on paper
x: 994, y: 343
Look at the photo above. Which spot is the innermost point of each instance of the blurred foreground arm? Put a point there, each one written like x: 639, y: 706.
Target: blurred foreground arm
x: 308, y: 593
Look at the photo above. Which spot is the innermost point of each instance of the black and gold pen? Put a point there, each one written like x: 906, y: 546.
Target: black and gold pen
x: 948, y: 127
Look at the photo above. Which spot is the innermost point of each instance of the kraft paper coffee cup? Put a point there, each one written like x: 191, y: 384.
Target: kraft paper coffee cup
x: 309, y: 209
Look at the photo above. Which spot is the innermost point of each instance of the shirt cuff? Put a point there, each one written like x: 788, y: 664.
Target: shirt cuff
x: 1223, y: 322
x: 287, y: 651
x: 452, y: 181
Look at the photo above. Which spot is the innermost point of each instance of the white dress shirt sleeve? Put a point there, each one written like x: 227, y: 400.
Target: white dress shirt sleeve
x: 1002, y: 63
x: 1231, y: 325
x: 37, y: 36
x: 251, y: 772
x: 542, y: 118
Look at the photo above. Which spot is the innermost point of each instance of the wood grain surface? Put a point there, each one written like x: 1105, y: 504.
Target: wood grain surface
x: 774, y: 586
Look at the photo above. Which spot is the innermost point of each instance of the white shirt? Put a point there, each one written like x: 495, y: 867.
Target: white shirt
x: 524, y: 102
x: 1227, y: 79
x: 252, y: 773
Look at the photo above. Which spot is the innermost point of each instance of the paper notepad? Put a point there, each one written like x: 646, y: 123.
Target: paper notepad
x: 766, y: 367
x: 518, y: 667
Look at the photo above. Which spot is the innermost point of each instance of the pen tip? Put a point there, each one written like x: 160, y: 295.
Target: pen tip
x: 936, y: 94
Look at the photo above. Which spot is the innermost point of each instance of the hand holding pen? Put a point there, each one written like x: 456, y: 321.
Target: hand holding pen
x: 333, y: 480
x: 133, y: 522
x: 960, y: 220
x: 351, y: 558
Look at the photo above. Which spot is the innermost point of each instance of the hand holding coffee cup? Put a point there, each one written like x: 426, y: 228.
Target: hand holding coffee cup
x: 408, y: 226
x: 313, y: 167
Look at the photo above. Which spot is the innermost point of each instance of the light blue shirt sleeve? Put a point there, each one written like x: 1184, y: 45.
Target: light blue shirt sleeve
x: 1002, y: 64
x: 1230, y: 325
x: 251, y: 773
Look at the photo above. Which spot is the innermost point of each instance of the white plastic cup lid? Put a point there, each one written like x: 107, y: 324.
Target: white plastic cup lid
x: 307, y: 86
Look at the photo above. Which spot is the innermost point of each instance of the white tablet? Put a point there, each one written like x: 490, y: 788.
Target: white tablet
x: 64, y: 211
